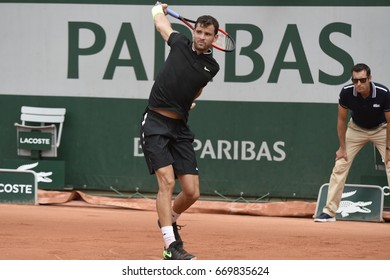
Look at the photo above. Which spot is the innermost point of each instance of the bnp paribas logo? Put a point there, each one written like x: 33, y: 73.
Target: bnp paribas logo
x: 43, y: 177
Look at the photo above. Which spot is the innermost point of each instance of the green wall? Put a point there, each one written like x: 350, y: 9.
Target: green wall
x: 98, y: 145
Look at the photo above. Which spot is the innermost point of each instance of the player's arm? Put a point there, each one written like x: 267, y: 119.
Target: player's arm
x: 341, y: 131
x: 387, y: 155
x: 163, y: 25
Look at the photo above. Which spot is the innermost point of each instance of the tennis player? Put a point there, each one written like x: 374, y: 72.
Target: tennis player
x: 369, y: 103
x: 166, y: 139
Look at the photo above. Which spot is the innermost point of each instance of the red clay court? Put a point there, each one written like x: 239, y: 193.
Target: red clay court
x: 82, y: 227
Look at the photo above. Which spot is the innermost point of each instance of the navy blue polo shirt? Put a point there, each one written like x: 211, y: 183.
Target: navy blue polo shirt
x: 181, y: 77
x: 366, y: 112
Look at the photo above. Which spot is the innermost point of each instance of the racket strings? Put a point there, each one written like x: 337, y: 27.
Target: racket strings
x: 225, y: 42
x: 229, y: 44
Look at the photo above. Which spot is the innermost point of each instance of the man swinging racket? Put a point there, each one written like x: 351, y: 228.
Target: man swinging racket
x: 166, y: 139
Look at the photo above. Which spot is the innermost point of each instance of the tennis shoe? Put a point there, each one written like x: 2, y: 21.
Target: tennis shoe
x: 176, y: 251
x: 323, y: 217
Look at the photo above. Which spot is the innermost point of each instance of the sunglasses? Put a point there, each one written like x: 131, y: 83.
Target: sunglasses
x: 361, y: 80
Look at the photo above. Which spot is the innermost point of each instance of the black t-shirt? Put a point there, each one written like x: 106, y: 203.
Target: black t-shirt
x: 366, y: 112
x: 181, y: 77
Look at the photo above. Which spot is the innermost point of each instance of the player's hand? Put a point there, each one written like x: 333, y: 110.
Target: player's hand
x: 163, y: 5
x: 341, y: 153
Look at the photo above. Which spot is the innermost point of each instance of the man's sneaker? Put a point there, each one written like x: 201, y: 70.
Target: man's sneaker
x: 323, y: 217
x: 176, y: 229
x: 176, y: 252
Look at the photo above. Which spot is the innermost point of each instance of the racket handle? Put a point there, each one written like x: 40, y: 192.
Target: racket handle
x: 173, y: 13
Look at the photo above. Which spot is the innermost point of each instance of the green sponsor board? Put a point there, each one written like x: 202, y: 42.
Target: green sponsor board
x: 358, y: 203
x: 50, y: 173
x: 35, y: 140
x: 18, y: 187
x: 280, y: 149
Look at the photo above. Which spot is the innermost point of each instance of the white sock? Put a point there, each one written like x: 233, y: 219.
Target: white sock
x: 168, y: 235
x: 175, y: 216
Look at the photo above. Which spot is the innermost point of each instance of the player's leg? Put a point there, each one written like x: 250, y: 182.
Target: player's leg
x: 155, y: 141
x: 173, y: 249
x: 166, y: 183
x: 186, y: 170
x: 187, y: 197
x: 190, y: 192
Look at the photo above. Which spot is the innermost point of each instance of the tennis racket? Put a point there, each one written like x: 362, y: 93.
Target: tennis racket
x: 224, y: 42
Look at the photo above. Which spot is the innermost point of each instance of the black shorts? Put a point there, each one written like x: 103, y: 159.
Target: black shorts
x: 167, y: 141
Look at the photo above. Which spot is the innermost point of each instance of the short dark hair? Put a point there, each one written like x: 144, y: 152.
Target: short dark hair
x: 360, y: 67
x: 206, y: 21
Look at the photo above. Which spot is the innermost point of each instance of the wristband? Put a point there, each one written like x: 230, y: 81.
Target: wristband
x: 388, y: 148
x: 157, y: 10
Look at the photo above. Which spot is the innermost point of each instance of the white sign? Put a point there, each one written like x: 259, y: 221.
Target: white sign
x: 284, y: 54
